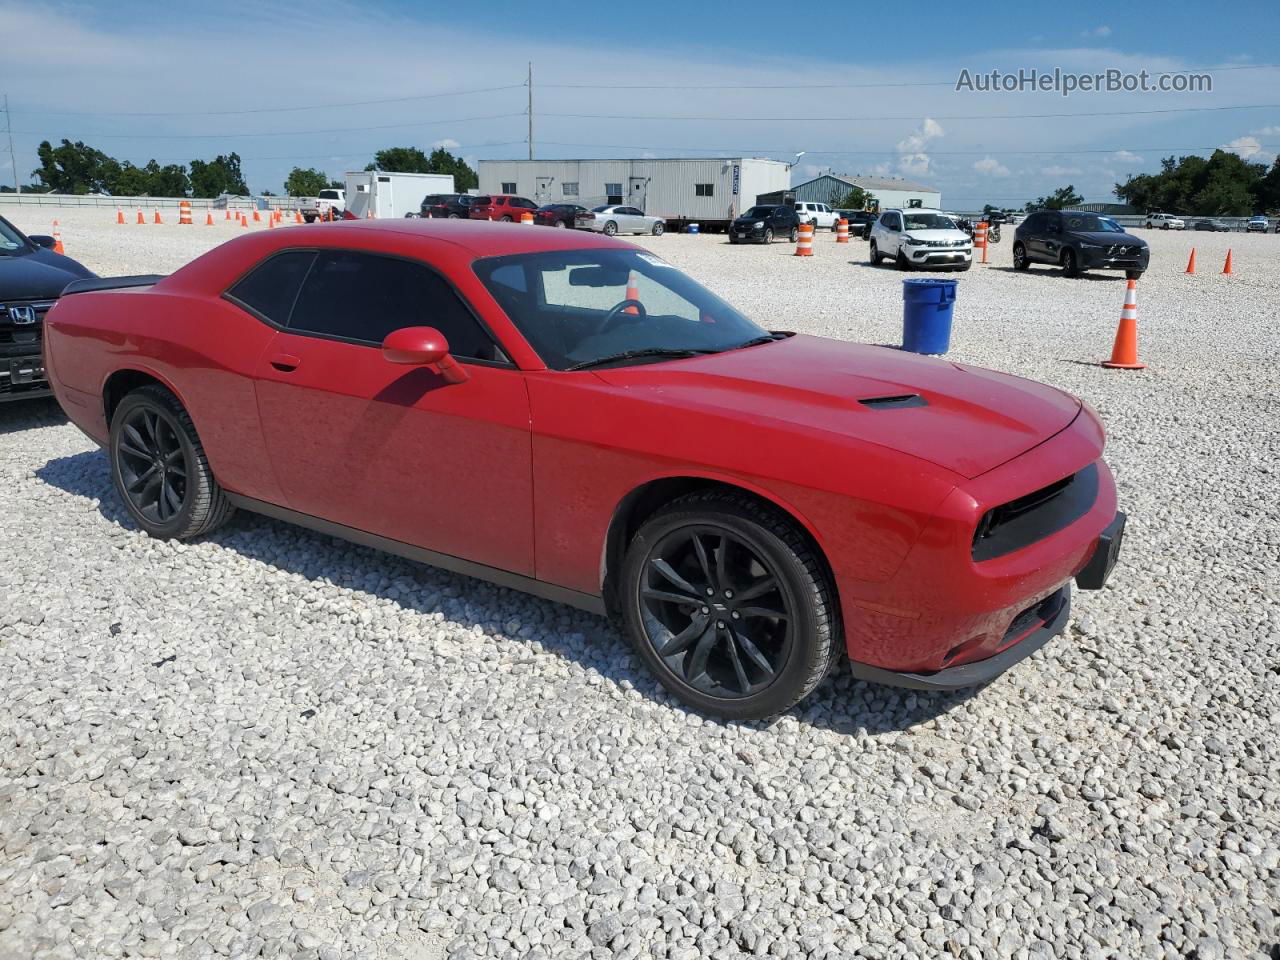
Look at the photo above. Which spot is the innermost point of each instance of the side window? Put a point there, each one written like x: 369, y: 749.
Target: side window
x: 272, y: 286
x: 363, y: 297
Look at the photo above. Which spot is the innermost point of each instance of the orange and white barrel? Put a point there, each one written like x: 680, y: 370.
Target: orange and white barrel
x: 526, y: 219
x: 980, y: 238
x: 184, y: 213
x: 804, y: 240
x: 842, y: 231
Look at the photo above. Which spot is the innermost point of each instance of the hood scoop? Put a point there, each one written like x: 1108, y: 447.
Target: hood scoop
x: 895, y: 402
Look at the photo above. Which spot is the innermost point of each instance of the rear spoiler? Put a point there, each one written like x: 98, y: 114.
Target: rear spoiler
x: 111, y: 283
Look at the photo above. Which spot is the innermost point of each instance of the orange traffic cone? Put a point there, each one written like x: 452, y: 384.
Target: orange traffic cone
x: 1191, y: 263
x: 119, y: 215
x: 297, y: 216
x: 271, y: 223
x: 57, y: 239
x: 1226, y: 267
x: 227, y: 213
x: 633, y: 292
x: 1124, y: 354
x: 208, y: 218
x: 257, y: 217
x: 244, y: 221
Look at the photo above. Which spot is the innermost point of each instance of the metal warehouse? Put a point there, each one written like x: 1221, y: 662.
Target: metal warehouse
x: 707, y: 189
x: 887, y: 191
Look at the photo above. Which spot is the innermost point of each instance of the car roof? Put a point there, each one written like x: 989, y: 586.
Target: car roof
x: 482, y: 238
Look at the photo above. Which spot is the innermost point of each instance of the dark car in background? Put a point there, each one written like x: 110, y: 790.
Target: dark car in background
x: 1077, y: 241
x: 765, y: 222
x: 447, y: 206
x: 557, y: 214
x: 32, y: 278
x: 1212, y: 224
x: 860, y: 222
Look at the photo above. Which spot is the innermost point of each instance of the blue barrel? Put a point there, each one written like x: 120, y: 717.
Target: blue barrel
x: 691, y: 228
x: 927, y: 303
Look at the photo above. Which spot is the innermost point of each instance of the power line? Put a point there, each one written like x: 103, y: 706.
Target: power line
x: 913, y: 118
x: 742, y: 151
x: 280, y: 133
x: 228, y: 113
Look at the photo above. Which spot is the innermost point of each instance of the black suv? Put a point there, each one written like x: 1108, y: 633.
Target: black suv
x: 452, y: 206
x: 762, y: 223
x: 860, y: 222
x: 1078, y: 241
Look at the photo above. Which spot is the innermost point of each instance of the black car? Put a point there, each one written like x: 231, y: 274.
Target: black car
x: 860, y: 222
x: 762, y: 223
x: 996, y: 216
x: 1212, y: 224
x: 32, y: 278
x: 1078, y: 241
x: 450, y: 206
x: 557, y: 214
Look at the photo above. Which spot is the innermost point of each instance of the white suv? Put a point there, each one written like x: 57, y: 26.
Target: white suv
x: 819, y: 214
x: 1165, y: 221
x: 919, y: 237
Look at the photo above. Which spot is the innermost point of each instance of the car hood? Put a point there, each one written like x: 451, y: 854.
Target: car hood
x: 950, y: 235
x: 1105, y: 238
x: 41, y: 275
x: 971, y: 420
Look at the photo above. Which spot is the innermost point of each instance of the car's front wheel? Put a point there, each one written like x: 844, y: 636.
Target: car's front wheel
x: 729, y: 605
x: 902, y: 262
x: 795, y: 234
x: 874, y: 253
x: 1070, y: 263
x: 561, y: 225
x: 160, y: 469
x: 1020, y: 261
x: 768, y: 234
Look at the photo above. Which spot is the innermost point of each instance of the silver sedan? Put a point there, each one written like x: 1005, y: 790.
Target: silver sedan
x: 619, y: 219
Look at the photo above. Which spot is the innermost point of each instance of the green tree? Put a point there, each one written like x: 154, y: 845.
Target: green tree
x: 305, y: 182
x: 1224, y: 184
x: 1266, y: 191
x: 218, y: 176
x: 130, y: 181
x: 73, y: 167
x: 168, y: 181
x: 1060, y: 199
x: 400, y: 160
x: 442, y: 161
x: 855, y: 198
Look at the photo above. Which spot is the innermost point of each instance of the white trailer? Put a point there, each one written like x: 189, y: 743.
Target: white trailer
x: 710, y: 191
x: 391, y: 194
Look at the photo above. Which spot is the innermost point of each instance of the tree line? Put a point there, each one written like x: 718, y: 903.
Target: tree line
x: 78, y: 168
x: 1222, y: 185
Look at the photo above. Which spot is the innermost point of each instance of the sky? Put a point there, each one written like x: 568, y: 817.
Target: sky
x: 857, y: 89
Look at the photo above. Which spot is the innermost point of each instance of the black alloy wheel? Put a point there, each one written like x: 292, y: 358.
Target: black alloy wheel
x: 729, y: 605
x: 153, y: 465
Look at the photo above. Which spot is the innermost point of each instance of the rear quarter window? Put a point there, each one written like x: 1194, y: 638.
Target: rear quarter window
x: 270, y: 288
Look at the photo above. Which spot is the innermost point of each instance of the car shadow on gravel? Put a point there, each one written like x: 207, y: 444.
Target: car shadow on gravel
x: 842, y: 703
x: 1047, y: 270
x: 19, y: 415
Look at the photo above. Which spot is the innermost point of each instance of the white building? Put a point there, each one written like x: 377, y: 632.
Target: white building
x: 887, y: 191
x: 708, y: 190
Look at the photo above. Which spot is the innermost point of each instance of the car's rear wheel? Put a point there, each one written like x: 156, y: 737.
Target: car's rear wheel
x: 160, y: 469
x: 454, y: 216
x: 560, y: 224
x: 729, y: 605
x: 504, y: 219
x: 610, y: 229
x: 1020, y: 261
x: 1070, y: 263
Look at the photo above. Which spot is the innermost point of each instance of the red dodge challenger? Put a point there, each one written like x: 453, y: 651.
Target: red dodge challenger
x: 567, y: 414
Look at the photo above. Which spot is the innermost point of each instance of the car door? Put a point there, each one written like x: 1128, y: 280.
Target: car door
x: 391, y: 449
x: 630, y: 220
x: 887, y: 239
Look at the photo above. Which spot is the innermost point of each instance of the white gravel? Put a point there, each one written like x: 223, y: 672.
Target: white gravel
x: 272, y: 743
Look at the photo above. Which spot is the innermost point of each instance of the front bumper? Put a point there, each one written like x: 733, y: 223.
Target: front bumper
x: 937, y: 256
x: 1102, y: 259
x: 747, y: 234
x: 22, y: 378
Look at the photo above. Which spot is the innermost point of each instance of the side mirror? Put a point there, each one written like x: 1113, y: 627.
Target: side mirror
x: 41, y: 240
x: 423, y: 347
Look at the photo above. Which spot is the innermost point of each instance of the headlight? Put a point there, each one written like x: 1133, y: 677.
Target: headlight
x: 1090, y: 246
x: 908, y: 239
x: 758, y: 223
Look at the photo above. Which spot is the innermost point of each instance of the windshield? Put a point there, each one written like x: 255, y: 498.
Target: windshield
x: 758, y: 212
x: 10, y: 239
x: 928, y: 221
x: 1090, y: 223
x: 571, y: 305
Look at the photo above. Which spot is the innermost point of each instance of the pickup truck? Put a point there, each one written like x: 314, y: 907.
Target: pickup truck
x: 317, y: 208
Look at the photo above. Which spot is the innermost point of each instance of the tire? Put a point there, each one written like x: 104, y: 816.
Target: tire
x: 202, y: 505
x: 610, y: 229
x: 768, y: 234
x: 309, y: 218
x: 1020, y: 261
x: 901, y: 262
x: 795, y: 234
x: 454, y: 216
x: 835, y: 226
x: 1070, y: 263
x: 874, y: 253
x: 658, y: 228
x: 1133, y: 274
x: 561, y: 225
x: 757, y: 544
x: 1164, y: 226
x: 504, y: 219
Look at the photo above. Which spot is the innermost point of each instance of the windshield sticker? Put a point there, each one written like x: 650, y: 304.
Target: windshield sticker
x: 652, y: 260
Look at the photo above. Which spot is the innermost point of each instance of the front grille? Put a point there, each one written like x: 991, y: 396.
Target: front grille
x: 1020, y: 523
x: 13, y: 332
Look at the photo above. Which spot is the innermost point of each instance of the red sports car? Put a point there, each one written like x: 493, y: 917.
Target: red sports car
x: 570, y: 415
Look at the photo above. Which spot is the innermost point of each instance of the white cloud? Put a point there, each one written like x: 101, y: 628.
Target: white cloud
x: 1244, y: 147
x: 913, y: 160
x: 991, y: 166
x: 1058, y: 171
x: 1266, y: 132
x: 447, y: 144
x: 1125, y: 157
x: 1098, y: 32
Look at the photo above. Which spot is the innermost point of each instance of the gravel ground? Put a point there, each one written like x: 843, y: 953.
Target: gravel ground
x: 272, y: 743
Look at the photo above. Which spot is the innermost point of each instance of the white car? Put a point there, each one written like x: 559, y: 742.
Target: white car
x: 920, y: 237
x: 818, y: 214
x: 1165, y: 221
x: 618, y: 219
x: 319, y: 208
x: 1258, y: 225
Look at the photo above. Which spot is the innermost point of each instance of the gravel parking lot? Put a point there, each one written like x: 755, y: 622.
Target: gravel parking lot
x: 273, y: 743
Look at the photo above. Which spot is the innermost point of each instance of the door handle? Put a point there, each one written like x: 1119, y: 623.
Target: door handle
x: 285, y: 362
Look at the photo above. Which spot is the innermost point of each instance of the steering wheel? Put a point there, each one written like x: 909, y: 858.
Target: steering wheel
x: 614, y: 317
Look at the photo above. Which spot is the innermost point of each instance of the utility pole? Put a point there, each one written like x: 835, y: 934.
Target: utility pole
x: 8, y: 127
x: 530, y: 110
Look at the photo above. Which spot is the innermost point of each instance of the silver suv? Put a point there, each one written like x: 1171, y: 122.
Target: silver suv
x: 919, y: 237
